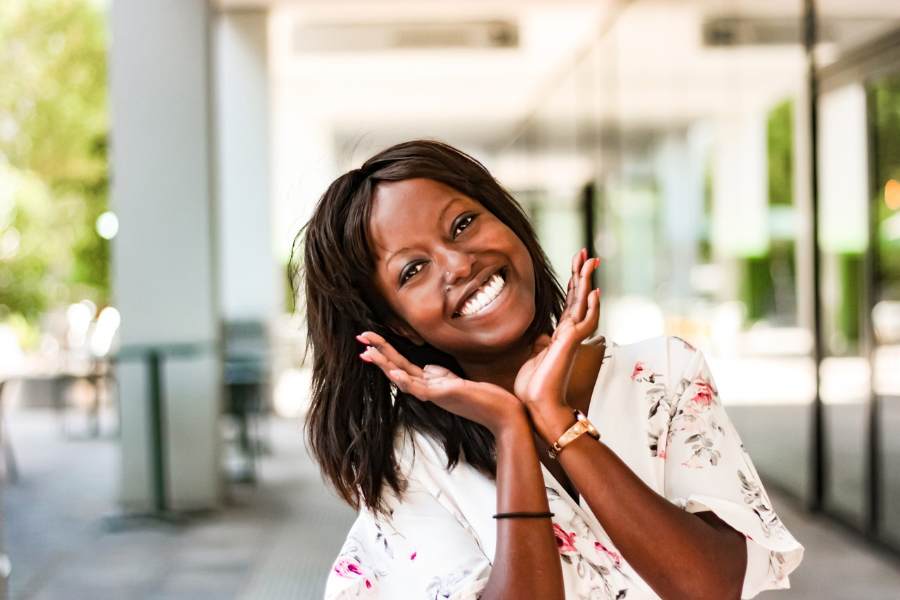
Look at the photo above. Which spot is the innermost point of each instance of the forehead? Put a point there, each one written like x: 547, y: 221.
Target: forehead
x: 408, y: 211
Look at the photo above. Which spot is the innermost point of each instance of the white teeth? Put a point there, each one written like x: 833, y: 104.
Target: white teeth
x: 484, y: 296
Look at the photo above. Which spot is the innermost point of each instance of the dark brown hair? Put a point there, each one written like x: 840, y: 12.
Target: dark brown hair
x: 355, y: 412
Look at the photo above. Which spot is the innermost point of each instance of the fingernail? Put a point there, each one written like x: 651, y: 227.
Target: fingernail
x: 362, y: 338
x: 365, y: 358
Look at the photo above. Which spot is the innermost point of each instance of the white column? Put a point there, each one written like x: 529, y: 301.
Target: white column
x: 740, y: 194
x: 843, y: 170
x: 163, y: 257
x: 740, y: 186
x: 680, y: 169
x: 250, y: 286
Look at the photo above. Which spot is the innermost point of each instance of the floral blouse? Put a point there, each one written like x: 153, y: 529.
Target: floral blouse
x: 657, y: 407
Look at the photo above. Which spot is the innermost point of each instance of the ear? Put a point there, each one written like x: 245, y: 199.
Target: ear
x: 400, y: 327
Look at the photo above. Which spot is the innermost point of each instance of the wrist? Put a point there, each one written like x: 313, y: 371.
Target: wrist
x: 552, y: 421
x: 513, y: 425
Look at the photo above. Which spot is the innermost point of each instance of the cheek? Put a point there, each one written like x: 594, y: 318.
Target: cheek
x: 525, y: 266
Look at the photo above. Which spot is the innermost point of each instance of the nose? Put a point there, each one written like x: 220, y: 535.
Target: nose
x: 456, y: 266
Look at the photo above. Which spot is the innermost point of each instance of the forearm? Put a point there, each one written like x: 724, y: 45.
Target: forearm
x: 699, y: 560
x: 526, y: 562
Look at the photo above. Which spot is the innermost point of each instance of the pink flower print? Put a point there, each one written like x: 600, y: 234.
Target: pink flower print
x: 638, y: 370
x: 412, y: 556
x: 614, y: 556
x: 565, y: 542
x: 350, y: 569
x: 704, y: 393
x: 347, y: 568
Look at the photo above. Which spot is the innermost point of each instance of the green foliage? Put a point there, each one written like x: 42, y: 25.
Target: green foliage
x: 53, y: 153
x: 885, y: 104
x: 780, y: 153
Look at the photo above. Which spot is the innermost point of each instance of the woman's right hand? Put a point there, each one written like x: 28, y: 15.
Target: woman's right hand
x: 485, y: 403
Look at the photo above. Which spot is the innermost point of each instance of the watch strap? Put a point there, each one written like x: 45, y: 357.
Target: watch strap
x: 582, y: 425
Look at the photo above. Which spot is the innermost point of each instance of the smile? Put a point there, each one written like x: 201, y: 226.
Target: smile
x: 483, y: 296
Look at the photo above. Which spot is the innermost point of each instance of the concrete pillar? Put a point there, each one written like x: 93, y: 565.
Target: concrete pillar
x: 164, y: 275
x: 250, y: 287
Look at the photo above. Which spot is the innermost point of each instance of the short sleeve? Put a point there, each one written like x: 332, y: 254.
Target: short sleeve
x: 420, y: 550
x: 707, y: 469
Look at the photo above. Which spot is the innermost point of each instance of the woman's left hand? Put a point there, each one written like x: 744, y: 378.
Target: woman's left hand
x: 542, y: 381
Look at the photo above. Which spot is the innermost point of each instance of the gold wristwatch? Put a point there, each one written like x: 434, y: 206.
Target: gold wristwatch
x: 582, y: 425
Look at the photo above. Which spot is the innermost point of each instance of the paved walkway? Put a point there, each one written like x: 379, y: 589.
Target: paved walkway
x: 274, y: 542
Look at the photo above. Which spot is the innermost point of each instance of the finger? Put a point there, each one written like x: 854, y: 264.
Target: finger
x: 436, y: 372
x: 423, y: 389
x: 382, y: 345
x: 592, y: 317
x: 406, y: 382
x: 584, y: 289
x: 577, y: 261
x: 372, y: 355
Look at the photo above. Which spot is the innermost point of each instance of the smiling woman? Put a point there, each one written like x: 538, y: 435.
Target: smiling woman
x: 458, y: 430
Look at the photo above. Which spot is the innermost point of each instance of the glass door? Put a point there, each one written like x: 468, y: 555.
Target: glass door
x: 884, y: 106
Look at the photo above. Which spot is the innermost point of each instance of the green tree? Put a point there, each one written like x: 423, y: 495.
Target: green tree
x: 53, y: 132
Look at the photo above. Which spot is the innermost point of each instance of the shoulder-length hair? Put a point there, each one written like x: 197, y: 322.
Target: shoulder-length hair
x: 355, y: 412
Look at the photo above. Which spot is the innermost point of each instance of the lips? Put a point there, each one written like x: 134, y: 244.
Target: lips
x: 473, y: 288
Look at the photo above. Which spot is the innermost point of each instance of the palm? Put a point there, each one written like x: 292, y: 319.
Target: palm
x: 477, y: 401
x: 544, y: 376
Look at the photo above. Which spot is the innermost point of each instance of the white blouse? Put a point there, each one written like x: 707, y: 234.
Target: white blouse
x: 657, y: 407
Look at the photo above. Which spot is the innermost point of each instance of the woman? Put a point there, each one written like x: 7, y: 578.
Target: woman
x: 493, y: 446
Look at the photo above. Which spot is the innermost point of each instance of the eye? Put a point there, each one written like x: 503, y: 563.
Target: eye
x: 462, y: 223
x: 409, y: 271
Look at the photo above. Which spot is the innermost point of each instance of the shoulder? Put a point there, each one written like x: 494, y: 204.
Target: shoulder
x: 663, y: 359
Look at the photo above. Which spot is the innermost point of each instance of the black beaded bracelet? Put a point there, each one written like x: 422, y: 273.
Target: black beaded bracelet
x: 524, y: 515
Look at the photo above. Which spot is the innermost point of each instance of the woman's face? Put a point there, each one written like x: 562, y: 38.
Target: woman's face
x: 456, y: 276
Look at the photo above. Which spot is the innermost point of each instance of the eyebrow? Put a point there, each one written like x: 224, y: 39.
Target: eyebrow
x: 444, y: 210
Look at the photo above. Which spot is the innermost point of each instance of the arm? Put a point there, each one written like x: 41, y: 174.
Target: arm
x: 704, y: 558
x: 680, y: 555
x: 526, y: 562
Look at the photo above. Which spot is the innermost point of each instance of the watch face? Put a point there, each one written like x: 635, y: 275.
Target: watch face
x: 589, y: 427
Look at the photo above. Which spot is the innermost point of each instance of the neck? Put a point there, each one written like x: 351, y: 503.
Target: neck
x: 500, y: 369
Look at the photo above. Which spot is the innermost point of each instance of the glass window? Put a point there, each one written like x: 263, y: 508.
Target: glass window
x: 884, y: 100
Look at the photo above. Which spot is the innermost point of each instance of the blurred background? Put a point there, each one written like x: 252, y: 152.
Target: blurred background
x: 736, y: 163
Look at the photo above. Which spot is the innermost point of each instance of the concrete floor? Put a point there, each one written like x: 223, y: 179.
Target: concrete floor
x: 272, y: 542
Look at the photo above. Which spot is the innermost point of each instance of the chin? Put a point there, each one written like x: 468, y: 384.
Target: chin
x: 508, y: 333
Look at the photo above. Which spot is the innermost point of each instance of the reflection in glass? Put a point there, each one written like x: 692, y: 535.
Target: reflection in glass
x: 843, y: 242
x: 884, y: 100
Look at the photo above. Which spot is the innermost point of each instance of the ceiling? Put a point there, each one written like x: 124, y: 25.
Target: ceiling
x: 334, y: 61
